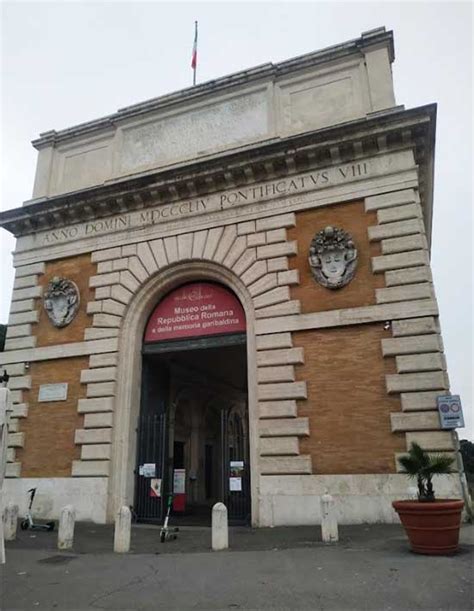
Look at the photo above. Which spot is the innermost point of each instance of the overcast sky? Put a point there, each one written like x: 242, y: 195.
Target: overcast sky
x: 68, y: 62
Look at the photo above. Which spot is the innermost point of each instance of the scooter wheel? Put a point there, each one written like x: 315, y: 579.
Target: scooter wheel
x: 162, y: 537
x: 50, y: 526
x: 24, y: 524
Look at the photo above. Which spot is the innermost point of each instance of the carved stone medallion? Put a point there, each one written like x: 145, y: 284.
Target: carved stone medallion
x: 333, y: 257
x: 61, y: 301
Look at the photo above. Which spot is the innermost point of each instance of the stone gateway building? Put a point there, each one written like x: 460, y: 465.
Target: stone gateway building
x: 227, y: 290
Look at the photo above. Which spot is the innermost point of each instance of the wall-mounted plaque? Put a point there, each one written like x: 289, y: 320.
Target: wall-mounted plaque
x: 52, y: 392
x: 333, y: 257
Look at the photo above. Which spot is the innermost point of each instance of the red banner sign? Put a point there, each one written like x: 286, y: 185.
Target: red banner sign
x: 196, y: 310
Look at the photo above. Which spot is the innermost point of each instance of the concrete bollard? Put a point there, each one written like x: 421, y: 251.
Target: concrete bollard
x: 220, y: 530
x: 123, y: 526
x: 10, y: 520
x: 66, y: 527
x: 329, y: 530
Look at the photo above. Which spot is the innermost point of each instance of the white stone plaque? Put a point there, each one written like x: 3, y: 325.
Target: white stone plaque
x: 52, y: 392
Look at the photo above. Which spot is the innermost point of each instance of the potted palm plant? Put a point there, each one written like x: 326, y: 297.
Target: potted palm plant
x: 432, y: 525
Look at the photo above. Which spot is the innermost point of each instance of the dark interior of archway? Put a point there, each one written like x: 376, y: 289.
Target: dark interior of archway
x: 226, y: 365
x: 202, y: 384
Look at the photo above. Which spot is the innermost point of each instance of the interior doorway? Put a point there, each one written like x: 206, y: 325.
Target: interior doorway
x: 192, y: 436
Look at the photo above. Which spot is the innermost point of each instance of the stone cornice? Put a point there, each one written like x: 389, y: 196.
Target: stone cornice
x: 383, y: 132
x: 268, y: 71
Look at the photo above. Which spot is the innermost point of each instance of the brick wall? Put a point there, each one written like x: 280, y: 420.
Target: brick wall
x: 49, y: 440
x: 347, y: 406
x: 361, y: 290
x: 78, y: 269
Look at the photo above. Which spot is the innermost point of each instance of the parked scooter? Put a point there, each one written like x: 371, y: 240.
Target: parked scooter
x: 28, y: 522
x: 167, y: 533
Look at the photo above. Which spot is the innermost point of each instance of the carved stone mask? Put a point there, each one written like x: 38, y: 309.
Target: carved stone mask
x: 61, y: 301
x: 333, y: 257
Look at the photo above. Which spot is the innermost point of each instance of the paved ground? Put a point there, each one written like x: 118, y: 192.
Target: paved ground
x: 281, y: 568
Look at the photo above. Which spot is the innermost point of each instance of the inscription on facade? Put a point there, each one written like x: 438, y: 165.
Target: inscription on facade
x: 285, y: 187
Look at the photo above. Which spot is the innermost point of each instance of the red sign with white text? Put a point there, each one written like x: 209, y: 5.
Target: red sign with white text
x: 196, y: 310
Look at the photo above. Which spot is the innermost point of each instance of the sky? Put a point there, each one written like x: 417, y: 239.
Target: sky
x: 64, y: 63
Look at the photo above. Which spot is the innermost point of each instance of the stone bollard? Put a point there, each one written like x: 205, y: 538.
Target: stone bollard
x: 123, y: 526
x: 329, y: 531
x: 220, y: 530
x: 10, y: 520
x: 66, y: 527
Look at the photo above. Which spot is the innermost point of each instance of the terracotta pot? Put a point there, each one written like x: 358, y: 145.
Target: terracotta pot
x: 432, y: 528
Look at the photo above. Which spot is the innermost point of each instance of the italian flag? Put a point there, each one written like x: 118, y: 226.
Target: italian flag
x: 194, y: 56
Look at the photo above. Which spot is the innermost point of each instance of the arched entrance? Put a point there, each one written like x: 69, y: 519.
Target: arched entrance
x: 193, y: 431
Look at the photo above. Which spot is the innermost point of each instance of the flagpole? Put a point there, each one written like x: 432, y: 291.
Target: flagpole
x: 194, y: 60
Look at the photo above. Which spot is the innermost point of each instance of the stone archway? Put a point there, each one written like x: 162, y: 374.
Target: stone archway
x: 127, y: 400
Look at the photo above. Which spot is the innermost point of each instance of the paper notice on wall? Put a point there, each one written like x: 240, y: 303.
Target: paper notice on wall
x: 155, y: 487
x: 147, y: 470
x: 179, y: 481
x: 235, y: 484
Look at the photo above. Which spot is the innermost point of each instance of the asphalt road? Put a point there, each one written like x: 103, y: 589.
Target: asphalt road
x: 370, y: 568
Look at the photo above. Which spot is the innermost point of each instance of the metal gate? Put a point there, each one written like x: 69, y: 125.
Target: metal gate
x: 151, y: 446
x: 235, y: 464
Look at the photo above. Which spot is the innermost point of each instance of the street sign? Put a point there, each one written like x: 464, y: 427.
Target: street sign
x: 450, y: 411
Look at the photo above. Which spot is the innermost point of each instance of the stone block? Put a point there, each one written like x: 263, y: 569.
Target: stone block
x: 98, y: 420
x: 90, y: 468
x: 419, y: 421
x: 94, y: 307
x: 159, y: 252
x: 213, y: 238
x: 16, y: 440
x: 414, y: 326
x: 104, y: 280
x: 404, y: 293
x: 389, y: 200
x: 129, y: 250
x: 411, y: 275
x: 397, y: 229
x: 276, y: 222
x: 432, y: 440
x: 284, y: 427
x: 96, y: 333
x: 430, y: 361
x: 110, y: 306
x: 264, y: 284
x: 284, y: 373
x: 256, y: 239
x: 276, y: 235
x: 254, y: 272
x: 106, y: 255
x: 411, y: 345
x: 103, y: 360
x: 287, y: 390
x: 104, y: 267
x: 281, y: 249
x: 235, y: 252
x: 91, y: 406
x: 284, y: 356
x: 278, y: 264
x: 103, y: 374
x: 10, y: 521
x: 246, y: 227
x: 121, y: 264
x: 128, y: 281
x: 32, y: 292
x: 185, y: 246
x: 83, y: 436
x: 282, y: 465
x: 277, y: 409
x: 19, y: 383
x: 32, y: 268
x: 287, y: 308
x: 146, y: 257
x: 279, y: 446
x: 14, y: 369
x: 405, y: 244
x: 290, y: 277
x: 418, y: 401
x: 103, y: 292
x: 405, y: 382
x: 22, y: 306
x: 20, y: 410
x: 329, y: 527
x: 401, y: 260
x: 277, y: 295
x: 13, y: 469
x: 120, y: 293
x: 399, y: 213
x: 20, y: 331
x: 101, y: 451
x: 21, y: 318
x: 274, y: 340
x: 136, y: 268
x: 245, y: 261
x: 13, y: 425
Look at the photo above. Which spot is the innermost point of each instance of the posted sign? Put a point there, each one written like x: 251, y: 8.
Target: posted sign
x: 450, y: 411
